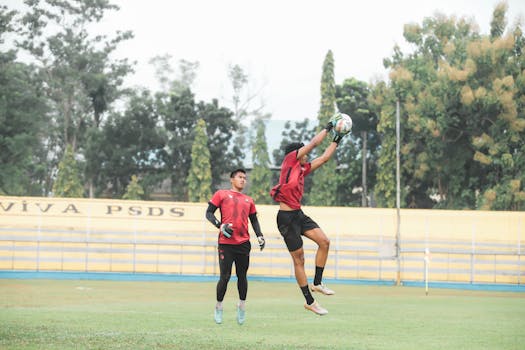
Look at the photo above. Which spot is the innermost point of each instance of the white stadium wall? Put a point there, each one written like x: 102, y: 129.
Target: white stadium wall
x: 105, y: 235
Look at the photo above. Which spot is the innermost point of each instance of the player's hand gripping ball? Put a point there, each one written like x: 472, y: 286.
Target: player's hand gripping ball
x: 342, y: 124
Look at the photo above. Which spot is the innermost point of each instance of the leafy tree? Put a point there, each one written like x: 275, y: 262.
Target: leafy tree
x: 199, y: 178
x: 461, y: 112
x: 498, y: 94
x: 68, y: 183
x: 22, y: 119
x: 179, y: 117
x: 179, y: 111
x: 324, y: 191
x: 134, y: 190
x: 261, y: 175
x: 220, y: 128
x: 352, y: 99
x: 383, y: 102
x: 81, y: 79
x: 132, y: 142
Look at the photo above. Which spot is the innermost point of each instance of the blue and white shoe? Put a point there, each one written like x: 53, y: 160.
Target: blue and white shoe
x: 241, y: 315
x: 218, y: 316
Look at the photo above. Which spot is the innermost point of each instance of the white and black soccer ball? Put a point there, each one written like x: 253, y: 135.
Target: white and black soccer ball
x: 343, y: 124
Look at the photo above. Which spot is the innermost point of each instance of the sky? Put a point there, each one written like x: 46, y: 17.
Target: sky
x: 280, y: 44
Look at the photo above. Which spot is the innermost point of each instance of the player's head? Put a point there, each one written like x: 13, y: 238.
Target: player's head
x: 293, y: 147
x: 238, y: 179
x: 236, y: 171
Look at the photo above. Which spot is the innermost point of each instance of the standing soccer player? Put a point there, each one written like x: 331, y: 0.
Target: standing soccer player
x: 293, y: 223
x: 234, y: 239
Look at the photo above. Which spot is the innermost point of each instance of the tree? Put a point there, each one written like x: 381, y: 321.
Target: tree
x: 242, y: 101
x: 23, y: 113
x: 220, y: 128
x: 81, y: 79
x: 164, y: 71
x: 68, y: 183
x: 325, y: 178
x: 461, y: 112
x: 134, y: 190
x: 352, y: 99
x: 261, y: 175
x: 199, y: 177
x: 179, y: 112
x: 499, y: 144
x: 383, y: 102
x: 132, y: 142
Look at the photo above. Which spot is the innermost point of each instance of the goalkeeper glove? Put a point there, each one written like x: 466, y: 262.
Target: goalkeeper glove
x: 226, y: 230
x: 329, y: 126
x: 337, y: 138
x: 261, y: 241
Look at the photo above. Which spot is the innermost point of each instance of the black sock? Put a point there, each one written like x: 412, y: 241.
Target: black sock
x: 318, y: 275
x: 307, y: 295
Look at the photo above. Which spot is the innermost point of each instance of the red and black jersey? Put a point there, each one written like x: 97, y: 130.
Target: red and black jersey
x: 291, y: 182
x: 235, y: 208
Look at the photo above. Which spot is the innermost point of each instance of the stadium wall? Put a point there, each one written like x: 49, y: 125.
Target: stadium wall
x: 106, y: 235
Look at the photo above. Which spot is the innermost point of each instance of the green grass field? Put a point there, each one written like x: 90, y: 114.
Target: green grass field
x: 83, y: 314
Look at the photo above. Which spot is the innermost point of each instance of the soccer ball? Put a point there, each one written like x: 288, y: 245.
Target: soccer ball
x: 343, y: 124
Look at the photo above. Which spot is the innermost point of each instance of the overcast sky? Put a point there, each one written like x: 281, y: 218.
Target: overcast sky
x: 281, y: 44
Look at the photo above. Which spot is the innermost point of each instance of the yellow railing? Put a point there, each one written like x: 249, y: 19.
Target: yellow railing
x: 104, y: 235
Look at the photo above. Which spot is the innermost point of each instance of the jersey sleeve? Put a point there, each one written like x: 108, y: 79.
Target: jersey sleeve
x: 216, y: 199
x: 307, y: 168
x: 252, y: 207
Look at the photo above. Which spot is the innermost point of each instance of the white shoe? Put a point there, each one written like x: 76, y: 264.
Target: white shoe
x: 321, y: 288
x: 218, y: 316
x: 316, y: 308
x: 241, y: 315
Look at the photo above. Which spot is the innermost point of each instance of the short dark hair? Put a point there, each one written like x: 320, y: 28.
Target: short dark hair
x: 293, y: 146
x: 233, y: 173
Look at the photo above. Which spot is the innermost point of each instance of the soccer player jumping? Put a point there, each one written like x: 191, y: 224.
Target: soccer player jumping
x: 293, y: 223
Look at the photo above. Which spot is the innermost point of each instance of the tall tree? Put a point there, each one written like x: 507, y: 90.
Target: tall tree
x: 23, y: 112
x: 383, y: 101
x: 352, y: 99
x: 132, y: 142
x: 179, y: 118
x: 499, y: 145
x: 324, y: 191
x: 220, y: 128
x: 199, y: 177
x: 261, y: 175
x: 461, y: 113
x: 68, y: 182
x: 245, y: 107
x: 82, y: 80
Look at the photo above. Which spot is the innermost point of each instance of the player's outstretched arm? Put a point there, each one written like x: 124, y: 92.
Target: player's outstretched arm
x: 315, y: 141
x: 327, y: 154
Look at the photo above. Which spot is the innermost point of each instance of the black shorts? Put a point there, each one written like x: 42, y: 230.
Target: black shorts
x: 234, y: 253
x: 292, y: 225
